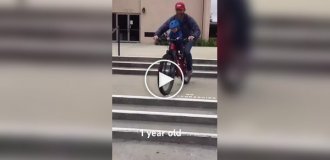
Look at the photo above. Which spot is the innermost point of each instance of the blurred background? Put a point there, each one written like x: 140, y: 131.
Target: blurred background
x: 55, y: 85
x: 275, y: 74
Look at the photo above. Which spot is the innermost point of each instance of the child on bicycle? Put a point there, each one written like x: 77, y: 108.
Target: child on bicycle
x: 176, y: 34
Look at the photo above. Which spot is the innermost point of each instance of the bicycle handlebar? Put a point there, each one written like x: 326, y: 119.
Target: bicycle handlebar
x: 164, y: 37
x: 173, y: 40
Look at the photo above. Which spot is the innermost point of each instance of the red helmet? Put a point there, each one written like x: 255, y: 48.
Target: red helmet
x: 180, y: 6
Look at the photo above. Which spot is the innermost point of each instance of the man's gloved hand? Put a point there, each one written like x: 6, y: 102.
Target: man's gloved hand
x: 156, y: 37
x: 190, y: 38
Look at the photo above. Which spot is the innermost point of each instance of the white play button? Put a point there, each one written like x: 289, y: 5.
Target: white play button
x: 163, y: 79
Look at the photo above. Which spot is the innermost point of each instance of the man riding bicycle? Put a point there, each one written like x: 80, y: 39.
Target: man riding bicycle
x: 190, y: 30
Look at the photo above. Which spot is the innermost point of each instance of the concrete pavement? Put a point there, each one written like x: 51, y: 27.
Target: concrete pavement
x: 131, y: 150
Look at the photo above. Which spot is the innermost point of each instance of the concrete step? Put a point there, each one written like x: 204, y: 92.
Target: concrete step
x: 142, y: 71
x: 186, y: 127
x: 151, y: 101
x: 184, y: 137
x: 132, y: 64
x: 132, y: 88
x: 151, y: 59
x: 156, y: 108
x: 165, y: 116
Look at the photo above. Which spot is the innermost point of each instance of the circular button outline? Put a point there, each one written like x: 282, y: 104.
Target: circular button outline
x: 145, y: 79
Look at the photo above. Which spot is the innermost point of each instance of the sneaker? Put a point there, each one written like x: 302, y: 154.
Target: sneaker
x: 187, y: 77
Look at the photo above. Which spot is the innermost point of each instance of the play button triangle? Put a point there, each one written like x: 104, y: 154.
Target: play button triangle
x: 163, y: 79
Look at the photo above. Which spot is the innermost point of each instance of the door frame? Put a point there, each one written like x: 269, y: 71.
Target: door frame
x: 128, y: 22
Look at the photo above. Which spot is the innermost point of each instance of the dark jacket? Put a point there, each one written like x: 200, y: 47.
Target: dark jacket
x: 176, y: 35
x: 188, y: 27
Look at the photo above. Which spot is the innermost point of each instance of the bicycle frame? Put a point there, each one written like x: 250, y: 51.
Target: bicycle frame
x: 178, y: 58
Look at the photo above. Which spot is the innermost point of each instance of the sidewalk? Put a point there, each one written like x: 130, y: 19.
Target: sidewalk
x: 155, y: 51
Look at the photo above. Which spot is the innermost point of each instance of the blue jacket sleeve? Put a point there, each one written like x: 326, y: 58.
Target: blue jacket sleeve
x: 194, y: 26
x: 162, y: 29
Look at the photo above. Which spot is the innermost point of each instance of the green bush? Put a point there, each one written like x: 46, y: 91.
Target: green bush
x: 162, y: 42
x: 212, y: 42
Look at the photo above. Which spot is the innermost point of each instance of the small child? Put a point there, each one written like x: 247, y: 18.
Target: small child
x: 176, y: 33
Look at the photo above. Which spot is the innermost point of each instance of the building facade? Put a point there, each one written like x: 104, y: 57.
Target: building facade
x: 139, y: 19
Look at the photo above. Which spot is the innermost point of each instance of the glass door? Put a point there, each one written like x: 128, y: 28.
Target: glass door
x: 114, y: 25
x: 134, y: 28
x: 123, y: 26
x: 129, y: 27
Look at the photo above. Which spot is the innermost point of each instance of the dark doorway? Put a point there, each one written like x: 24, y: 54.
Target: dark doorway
x: 114, y: 25
x: 213, y: 30
x: 123, y: 27
x: 134, y: 33
x: 129, y: 27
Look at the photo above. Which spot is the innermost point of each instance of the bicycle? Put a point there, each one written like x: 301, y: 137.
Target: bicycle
x: 175, y: 55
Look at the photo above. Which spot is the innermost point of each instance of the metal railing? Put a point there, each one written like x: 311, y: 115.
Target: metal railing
x: 118, y: 38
